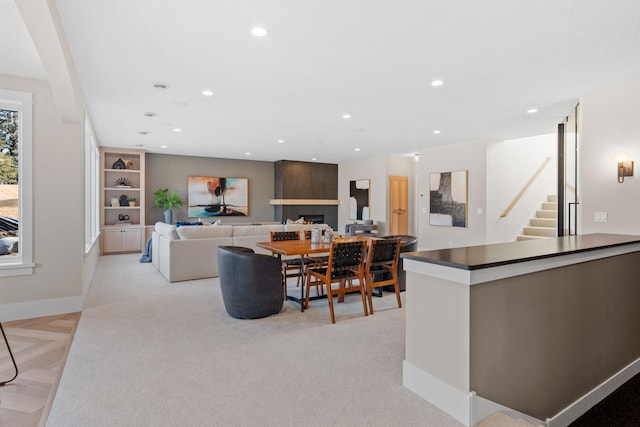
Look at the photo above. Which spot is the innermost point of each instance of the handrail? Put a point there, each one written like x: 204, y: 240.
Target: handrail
x: 525, y: 188
x: 570, y: 188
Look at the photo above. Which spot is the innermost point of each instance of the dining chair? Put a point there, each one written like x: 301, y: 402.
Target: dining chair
x: 381, y: 267
x: 346, y: 268
x: 294, y: 266
x: 317, y: 260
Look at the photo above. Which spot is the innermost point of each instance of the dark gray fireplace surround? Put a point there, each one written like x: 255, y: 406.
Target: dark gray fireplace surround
x: 306, y: 180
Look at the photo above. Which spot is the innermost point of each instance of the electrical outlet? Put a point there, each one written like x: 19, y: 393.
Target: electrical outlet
x: 599, y: 217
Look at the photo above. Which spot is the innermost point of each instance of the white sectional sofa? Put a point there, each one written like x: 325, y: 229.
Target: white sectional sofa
x: 191, y: 252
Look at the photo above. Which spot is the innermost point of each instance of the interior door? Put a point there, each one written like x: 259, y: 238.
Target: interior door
x: 399, y: 205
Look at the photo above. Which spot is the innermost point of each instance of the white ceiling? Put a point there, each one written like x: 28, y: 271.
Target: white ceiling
x: 373, y: 59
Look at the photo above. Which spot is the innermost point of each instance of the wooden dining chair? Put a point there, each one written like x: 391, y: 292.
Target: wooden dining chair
x: 294, y: 266
x: 346, y: 268
x: 318, y: 260
x: 381, y: 267
x: 291, y: 267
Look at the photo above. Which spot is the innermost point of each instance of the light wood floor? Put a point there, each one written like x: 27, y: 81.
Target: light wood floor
x: 40, y: 347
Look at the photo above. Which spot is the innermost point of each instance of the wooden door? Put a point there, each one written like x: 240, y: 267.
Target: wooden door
x: 399, y: 204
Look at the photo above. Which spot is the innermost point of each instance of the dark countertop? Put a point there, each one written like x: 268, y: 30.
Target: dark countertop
x: 486, y: 256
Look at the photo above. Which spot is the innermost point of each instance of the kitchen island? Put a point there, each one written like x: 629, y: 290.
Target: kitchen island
x: 540, y: 329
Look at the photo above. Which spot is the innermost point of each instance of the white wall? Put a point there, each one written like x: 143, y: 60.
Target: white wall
x: 610, y: 126
x: 510, y: 165
x: 62, y: 271
x: 378, y: 171
x: 470, y: 156
x: 373, y: 170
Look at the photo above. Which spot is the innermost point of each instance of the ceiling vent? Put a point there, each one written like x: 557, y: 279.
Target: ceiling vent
x: 160, y: 86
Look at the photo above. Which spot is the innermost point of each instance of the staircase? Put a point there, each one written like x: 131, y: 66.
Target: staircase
x: 543, y: 224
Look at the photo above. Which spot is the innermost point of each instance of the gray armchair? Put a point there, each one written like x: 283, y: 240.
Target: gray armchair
x: 251, y: 283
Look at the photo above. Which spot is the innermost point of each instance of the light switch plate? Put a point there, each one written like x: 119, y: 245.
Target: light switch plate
x: 599, y: 217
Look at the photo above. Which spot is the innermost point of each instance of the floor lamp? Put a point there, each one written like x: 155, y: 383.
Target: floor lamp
x: 10, y: 354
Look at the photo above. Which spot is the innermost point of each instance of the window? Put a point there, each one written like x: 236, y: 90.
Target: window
x: 16, y: 183
x: 91, y: 187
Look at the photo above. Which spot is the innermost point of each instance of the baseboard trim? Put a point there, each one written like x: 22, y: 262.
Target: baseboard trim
x: 470, y: 409
x: 447, y: 398
x: 40, y: 308
x: 589, y: 400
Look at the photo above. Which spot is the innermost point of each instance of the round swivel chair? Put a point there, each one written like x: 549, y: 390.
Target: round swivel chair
x: 251, y: 284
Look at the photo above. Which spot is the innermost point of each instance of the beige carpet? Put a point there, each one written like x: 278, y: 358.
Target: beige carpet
x: 151, y: 353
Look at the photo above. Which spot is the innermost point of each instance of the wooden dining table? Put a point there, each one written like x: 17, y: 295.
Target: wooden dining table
x: 301, y: 248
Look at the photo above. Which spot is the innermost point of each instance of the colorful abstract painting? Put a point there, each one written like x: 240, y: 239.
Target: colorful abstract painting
x: 217, y: 196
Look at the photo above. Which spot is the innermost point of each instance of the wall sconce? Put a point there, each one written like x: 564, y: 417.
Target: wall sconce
x: 625, y: 168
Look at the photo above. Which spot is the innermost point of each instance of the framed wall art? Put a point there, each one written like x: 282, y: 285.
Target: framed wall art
x: 448, y: 199
x: 217, y: 196
x: 359, y: 199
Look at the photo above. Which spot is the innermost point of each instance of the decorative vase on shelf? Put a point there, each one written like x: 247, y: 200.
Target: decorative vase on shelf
x: 167, y: 216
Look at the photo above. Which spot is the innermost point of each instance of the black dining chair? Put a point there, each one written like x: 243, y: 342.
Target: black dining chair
x: 381, y: 268
x: 346, y: 268
x: 294, y: 266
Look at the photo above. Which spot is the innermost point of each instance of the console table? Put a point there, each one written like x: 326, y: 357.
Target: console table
x: 540, y: 329
x: 355, y: 229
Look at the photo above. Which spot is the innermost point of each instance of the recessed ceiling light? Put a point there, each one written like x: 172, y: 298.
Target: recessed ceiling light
x: 436, y: 132
x: 437, y: 83
x: 356, y: 149
x: 314, y: 159
x: 247, y: 153
x: 281, y: 141
x: 163, y: 146
x: 207, y: 92
x: 346, y: 116
x: 150, y: 114
x: 532, y: 110
x: 259, y: 32
x: 177, y: 130
x: 160, y: 86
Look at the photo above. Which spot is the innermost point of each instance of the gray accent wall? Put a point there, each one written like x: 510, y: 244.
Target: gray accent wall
x: 170, y: 171
x: 541, y: 341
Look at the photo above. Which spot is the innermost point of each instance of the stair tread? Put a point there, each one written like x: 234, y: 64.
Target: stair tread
x: 543, y: 223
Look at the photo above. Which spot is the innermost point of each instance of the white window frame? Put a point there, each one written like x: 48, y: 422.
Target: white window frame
x: 91, y: 187
x: 22, y: 264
